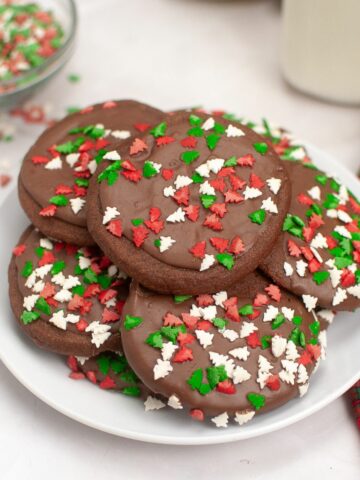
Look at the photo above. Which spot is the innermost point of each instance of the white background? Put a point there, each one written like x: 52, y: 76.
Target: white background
x: 176, y: 53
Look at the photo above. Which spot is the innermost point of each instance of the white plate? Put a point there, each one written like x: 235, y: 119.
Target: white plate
x: 46, y: 375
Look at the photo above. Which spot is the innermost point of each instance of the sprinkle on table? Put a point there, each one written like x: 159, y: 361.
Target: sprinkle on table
x: 74, y: 78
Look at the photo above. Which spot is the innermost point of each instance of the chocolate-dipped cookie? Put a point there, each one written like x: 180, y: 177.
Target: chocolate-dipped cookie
x: 108, y: 370
x: 191, y: 207
x: 324, y: 280
x: 317, y: 256
x: 229, y: 355
x: 56, y: 170
x: 66, y: 299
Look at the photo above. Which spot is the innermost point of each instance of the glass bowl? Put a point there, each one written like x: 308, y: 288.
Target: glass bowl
x: 21, y: 87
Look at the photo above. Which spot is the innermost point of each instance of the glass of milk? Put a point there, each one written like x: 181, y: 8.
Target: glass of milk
x: 321, y: 48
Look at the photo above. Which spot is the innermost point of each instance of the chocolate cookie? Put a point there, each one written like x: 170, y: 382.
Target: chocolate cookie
x: 66, y: 299
x: 56, y: 170
x: 305, y: 276
x: 108, y: 370
x: 318, y: 253
x: 228, y: 355
x: 191, y: 207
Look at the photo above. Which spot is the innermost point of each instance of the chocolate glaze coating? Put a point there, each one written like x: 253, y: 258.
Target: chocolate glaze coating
x: 52, y: 226
x: 46, y: 335
x: 303, y: 179
x: 152, y: 308
x: 176, y: 270
x: 37, y: 184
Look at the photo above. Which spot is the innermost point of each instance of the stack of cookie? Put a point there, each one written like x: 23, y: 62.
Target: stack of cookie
x: 186, y: 258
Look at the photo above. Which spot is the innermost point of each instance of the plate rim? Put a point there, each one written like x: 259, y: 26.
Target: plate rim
x: 224, y: 436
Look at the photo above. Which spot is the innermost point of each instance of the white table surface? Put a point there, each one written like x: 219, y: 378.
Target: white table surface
x: 175, y: 53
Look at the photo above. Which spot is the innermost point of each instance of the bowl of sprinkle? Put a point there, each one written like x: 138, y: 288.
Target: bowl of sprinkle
x: 36, y: 41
